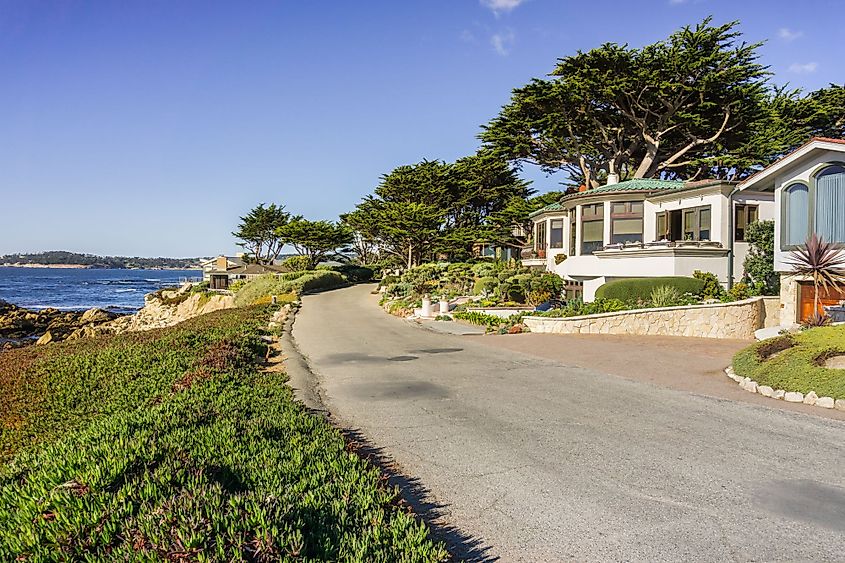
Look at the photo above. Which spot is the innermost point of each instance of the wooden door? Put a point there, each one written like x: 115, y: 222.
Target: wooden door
x: 805, y: 304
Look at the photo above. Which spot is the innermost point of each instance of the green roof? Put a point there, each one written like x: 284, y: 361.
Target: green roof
x: 647, y: 185
x: 556, y: 206
x: 635, y: 185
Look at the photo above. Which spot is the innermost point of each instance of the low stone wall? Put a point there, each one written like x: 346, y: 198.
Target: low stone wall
x: 720, y: 320
x: 503, y: 312
x: 772, y: 307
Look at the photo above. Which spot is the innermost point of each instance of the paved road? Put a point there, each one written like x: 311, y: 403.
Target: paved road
x: 539, y: 461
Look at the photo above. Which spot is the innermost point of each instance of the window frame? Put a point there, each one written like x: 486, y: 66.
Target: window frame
x: 628, y: 214
x: 593, y: 218
x: 746, y: 209
x: 552, y: 229
x: 540, y: 229
x: 813, y: 197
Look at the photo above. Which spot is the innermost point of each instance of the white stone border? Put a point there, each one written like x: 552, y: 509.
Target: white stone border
x: 789, y: 396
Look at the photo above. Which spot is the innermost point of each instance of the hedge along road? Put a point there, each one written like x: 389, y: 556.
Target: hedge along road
x: 539, y: 461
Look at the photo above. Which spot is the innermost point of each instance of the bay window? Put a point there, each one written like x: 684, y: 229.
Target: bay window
x: 592, y: 228
x: 626, y: 222
x: 540, y: 235
x: 556, y: 233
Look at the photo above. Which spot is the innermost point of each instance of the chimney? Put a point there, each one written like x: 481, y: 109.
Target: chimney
x: 612, y: 178
x: 222, y: 263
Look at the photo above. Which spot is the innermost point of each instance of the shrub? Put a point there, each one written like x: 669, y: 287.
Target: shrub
x: 263, y: 287
x: 739, y: 292
x: 355, y: 274
x: 634, y: 290
x: 297, y: 263
x: 712, y: 289
x: 664, y: 296
x: 236, y: 285
x: 577, y: 308
x: 485, y: 285
x: 759, y: 264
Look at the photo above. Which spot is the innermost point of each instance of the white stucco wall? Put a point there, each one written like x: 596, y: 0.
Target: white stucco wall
x: 802, y: 170
x: 593, y: 270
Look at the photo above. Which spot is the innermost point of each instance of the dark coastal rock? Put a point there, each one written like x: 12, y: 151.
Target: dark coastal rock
x: 19, y: 326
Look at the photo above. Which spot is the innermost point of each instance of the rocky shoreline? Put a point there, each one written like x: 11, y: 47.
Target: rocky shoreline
x: 19, y: 326
x: 22, y: 327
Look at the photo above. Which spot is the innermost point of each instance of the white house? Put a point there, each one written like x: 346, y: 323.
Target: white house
x: 809, y: 192
x: 646, y: 228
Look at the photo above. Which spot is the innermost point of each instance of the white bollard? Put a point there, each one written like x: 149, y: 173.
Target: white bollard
x: 444, y: 307
x: 426, y: 306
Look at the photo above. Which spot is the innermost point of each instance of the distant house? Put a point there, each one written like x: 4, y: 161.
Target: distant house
x: 216, y: 263
x: 645, y: 228
x: 223, y: 270
x: 808, y: 186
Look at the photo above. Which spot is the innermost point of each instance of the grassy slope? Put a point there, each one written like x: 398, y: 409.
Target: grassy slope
x: 797, y: 368
x: 287, y: 286
x: 173, y: 445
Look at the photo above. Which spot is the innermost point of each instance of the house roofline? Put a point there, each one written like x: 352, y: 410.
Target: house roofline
x: 784, y: 161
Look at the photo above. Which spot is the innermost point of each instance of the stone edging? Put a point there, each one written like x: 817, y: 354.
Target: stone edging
x: 789, y: 396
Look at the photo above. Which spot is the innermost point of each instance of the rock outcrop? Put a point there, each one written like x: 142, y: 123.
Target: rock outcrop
x: 162, y: 309
x: 20, y: 326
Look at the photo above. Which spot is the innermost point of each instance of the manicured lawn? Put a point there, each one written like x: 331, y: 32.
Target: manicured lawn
x: 174, y: 445
x: 796, y: 362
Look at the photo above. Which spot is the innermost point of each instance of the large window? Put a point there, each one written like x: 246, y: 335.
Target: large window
x: 692, y: 223
x: 744, y: 215
x: 540, y: 235
x: 556, y: 233
x: 830, y: 204
x: 796, y: 204
x: 626, y: 222
x: 592, y: 228
x: 697, y: 223
x: 572, y: 232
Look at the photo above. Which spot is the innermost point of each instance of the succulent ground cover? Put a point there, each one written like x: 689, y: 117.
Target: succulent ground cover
x: 796, y: 362
x: 174, y: 445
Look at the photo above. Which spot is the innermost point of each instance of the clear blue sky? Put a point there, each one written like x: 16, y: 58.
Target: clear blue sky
x: 147, y: 127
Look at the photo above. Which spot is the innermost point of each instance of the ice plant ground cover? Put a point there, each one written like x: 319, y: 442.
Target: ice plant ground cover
x: 797, y: 362
x: 175, y: 445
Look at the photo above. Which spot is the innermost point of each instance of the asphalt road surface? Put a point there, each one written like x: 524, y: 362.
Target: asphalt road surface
x: 522, y: 458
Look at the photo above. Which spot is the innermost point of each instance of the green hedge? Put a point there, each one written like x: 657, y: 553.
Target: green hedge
x: 173, y: 445
x: 639, y: 289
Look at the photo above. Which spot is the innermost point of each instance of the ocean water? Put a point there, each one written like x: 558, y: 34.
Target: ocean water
x: 121, y: 291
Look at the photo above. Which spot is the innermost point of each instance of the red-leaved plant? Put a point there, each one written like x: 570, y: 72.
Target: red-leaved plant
x: 823, y: 263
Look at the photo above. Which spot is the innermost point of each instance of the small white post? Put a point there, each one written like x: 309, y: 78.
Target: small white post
x: 426, y: 306
x: 444, y: 307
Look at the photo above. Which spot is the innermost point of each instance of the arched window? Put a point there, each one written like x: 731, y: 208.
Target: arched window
x: 797, y: 224
x: 830, y: 203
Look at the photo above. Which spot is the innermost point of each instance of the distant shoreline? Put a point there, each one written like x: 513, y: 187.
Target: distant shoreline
x: 93, y: 267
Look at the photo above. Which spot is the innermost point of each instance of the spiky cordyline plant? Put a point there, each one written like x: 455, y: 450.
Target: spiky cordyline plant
x: 822, y: 262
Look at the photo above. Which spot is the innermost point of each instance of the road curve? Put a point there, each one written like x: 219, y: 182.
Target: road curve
x: 537, y: 461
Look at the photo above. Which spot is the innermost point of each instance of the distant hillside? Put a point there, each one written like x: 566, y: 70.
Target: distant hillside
x: 64, y: 258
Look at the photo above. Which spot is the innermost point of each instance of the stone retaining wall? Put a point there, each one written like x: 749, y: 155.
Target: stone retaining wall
x: 503, y: 312
x: 720, y: 320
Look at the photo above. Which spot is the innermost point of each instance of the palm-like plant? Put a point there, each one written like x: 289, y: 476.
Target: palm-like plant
x: 822, y: 262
